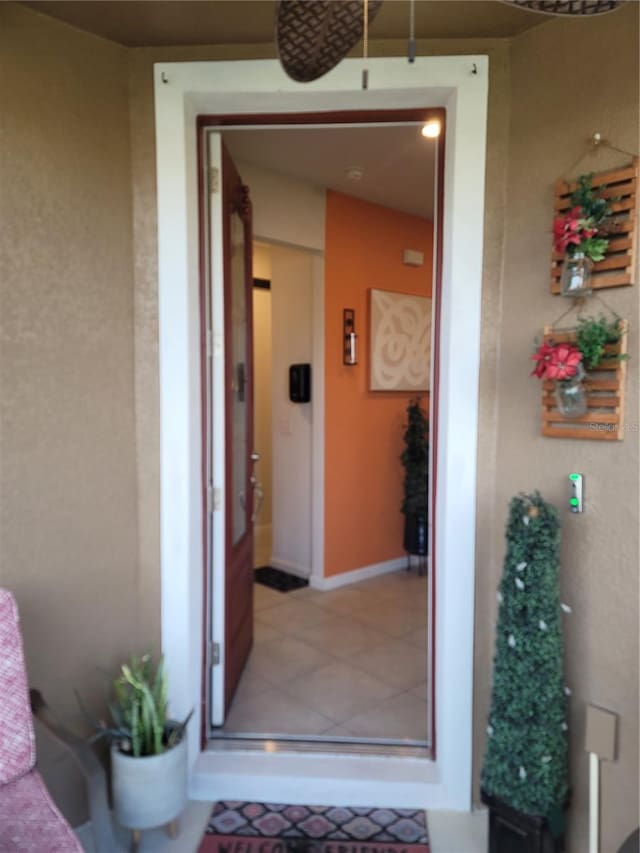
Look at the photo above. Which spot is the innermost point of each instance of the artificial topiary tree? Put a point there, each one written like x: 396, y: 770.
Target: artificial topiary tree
x: 415, y: 502
x: 415, y: 459
x: 525, y: 762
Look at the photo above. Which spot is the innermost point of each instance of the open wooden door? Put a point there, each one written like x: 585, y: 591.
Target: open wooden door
x: 231, y: 451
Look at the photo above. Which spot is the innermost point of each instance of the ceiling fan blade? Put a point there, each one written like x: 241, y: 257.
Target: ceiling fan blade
x: 314, y: 35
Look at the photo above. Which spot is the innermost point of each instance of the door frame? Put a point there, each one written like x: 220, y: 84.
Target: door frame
x: 182, y: 92
x: 213, y: 394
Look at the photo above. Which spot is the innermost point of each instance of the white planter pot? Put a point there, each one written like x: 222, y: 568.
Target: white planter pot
x: 149, y: 791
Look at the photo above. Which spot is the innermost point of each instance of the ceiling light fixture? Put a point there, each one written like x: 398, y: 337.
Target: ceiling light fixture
x: 431, y: 129
x: 355, y: 173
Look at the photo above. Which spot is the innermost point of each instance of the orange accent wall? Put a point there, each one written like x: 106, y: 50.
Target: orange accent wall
x: 364, y: 244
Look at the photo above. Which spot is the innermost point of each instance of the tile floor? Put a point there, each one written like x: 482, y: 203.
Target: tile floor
x: 351, y: 662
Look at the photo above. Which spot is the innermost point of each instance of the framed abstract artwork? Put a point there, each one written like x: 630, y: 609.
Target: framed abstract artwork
x: 400, y: 335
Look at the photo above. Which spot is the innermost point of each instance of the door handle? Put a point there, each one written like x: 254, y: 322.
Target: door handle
x: 258, y: 491
x: 258, y: 495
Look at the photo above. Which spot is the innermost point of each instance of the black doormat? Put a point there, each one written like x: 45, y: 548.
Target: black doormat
x: 277, y: 579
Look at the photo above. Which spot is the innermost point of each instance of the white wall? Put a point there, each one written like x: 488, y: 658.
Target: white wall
x: 285, y: 210
x: 262, y: 441
x: 290, y: 215
x: 292, y: 324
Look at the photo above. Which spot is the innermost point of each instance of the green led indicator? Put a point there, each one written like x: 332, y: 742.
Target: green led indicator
x: 574, y: 476
x: 573, y: 501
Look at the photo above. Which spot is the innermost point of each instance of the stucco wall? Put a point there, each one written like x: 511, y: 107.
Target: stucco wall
x: 569, y: 79
x: 68, y: 512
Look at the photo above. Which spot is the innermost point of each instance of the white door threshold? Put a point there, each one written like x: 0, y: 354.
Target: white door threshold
x: 317, y: 778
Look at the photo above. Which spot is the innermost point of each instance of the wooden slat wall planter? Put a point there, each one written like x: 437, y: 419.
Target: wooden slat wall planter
x: 605, y: 395
x: 616, y: 270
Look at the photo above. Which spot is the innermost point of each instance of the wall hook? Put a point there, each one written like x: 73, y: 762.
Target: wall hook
x: 163, y: 77
x: 474, y: 68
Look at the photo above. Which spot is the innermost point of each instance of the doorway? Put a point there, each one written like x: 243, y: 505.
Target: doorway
x: 306, y: 658
x: 182, y: 91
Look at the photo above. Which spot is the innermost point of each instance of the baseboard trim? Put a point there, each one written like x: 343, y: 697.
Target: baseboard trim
x: 292, y: 568
x: 356, y: 575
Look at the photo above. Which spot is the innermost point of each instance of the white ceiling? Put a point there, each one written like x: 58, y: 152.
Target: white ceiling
x: 398, y: 162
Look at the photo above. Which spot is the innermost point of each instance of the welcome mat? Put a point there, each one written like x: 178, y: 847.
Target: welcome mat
x: 277, y: 579
x: 236, y: 827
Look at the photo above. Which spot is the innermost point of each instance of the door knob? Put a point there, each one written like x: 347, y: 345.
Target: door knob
x: 255, y: 457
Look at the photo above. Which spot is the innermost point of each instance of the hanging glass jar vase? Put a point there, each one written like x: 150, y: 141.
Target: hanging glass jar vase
x: 571, y: 395
x: 575, y: 279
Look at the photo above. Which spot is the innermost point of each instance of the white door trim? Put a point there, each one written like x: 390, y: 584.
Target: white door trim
x: 184, y: 90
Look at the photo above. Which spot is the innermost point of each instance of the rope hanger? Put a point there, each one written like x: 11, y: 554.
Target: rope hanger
x: 578, y: 306
x: 594, y: 144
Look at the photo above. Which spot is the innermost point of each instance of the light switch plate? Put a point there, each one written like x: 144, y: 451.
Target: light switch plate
x: 413, y: 258
x: 576, y: 492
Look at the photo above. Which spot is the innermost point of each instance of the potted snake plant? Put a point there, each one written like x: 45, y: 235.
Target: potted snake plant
x: 148, y: 750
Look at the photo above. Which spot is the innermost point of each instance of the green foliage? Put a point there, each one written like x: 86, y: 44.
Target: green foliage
x: 593, y: 206
x: 415, y: 459
x: 139, y: 712
x: 593, y: 247
x: 526, y: 754
x: 593, y: 333
x: 593, y: 213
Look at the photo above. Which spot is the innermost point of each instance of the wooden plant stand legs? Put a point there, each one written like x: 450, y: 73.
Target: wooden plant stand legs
x: 172, y: 830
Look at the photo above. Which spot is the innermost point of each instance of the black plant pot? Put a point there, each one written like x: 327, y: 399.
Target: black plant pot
x: 416, y: 534
x: 511, y: 831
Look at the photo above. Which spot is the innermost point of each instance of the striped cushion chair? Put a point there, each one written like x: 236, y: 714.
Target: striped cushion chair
x: 29, y: 819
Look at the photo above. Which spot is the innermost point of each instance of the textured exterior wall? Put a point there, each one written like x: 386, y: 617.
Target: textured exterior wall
x: 569, y: 79
x: 68, y: 513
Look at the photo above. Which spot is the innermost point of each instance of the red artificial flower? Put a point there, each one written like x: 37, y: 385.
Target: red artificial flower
x: 572, y: 229
x: 543, y: 356
x: 556, y: 361
x: 567, y: 230
x: 564, y: 363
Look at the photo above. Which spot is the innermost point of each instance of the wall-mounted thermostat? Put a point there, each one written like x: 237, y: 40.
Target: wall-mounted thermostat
x: 576, y: 492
